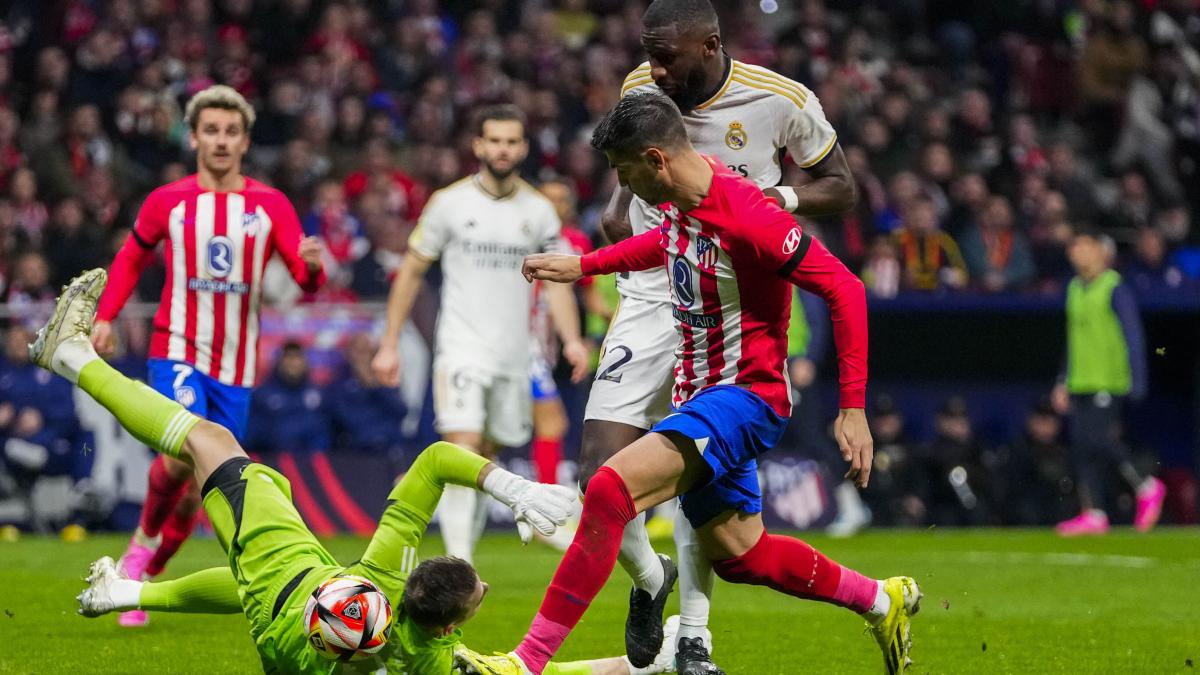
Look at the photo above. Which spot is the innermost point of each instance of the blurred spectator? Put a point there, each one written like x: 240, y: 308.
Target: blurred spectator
x: 1049, y: 236
x: 1076, y: 186
x: 1112, y: 56
x: 31, y: 214
x: 958, y: 481
x: 898, y: 489
x: 404, y: 197
x: 77, y: 243
x: 930, y: 258
x: 1148, y: 270
x: 11, y: 156
x: 366, y: 415
x: 37, y: 415
x: 997, y: 255
x: 1134, y: 208
x: 64, y: 166
x: 882, y: 271
x: 30, y: 282
x: 1040, y: 487
x: 287, y: 411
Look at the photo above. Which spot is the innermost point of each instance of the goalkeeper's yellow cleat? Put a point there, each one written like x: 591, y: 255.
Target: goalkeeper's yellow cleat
x: 468, y: 662
x: 894, y: 633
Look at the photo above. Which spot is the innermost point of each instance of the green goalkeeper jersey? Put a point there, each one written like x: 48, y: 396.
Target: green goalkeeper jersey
x: 278, y: 563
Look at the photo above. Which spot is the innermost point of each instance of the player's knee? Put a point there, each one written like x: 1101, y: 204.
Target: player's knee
x: 211, y: 439
x: 752, y: 567
x: 608, y: 496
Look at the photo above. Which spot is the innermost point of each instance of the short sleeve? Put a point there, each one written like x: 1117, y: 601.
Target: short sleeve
x: 432, y: 234
x: 807, y: 135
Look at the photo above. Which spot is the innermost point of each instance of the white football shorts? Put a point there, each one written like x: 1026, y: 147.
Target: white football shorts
x: 637, y: 366
x: 470, y: 397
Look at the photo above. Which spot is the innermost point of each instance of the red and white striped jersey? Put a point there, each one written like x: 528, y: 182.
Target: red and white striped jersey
x: 218, y: 245
x: 729, y: 262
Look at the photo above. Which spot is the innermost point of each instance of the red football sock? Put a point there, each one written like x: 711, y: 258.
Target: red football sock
x: 175, y: 531
x: 162, y: 495
x: 607, y: 508
x: 546, y: 453
x: 791, y: 566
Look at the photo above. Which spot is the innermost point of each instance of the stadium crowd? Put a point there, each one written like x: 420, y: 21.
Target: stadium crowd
x: 979, y: 135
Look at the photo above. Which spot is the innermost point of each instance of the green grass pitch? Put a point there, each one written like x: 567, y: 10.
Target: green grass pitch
x: 995, y: 602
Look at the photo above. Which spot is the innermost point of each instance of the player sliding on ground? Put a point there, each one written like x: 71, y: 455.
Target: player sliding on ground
x: 304, y: 608
x: 731, y: 254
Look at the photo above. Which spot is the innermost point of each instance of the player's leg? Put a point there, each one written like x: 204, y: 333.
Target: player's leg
x: 1089, y: 437
x: 653, y: 469
x: 167, y: 512
x: 458, y: 401
x: 211, y: 591
x: 631, y: 392
x: 549, y: 428
x: 549, y: 421
x: 228, y: 406
x: 696, y: 579
x: 743, y: 552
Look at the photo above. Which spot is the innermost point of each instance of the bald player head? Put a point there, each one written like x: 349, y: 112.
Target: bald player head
x: 683, y: 41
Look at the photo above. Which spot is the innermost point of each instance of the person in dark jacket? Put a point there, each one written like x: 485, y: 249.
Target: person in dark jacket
x: 366, y: 415
x: 288, y: 412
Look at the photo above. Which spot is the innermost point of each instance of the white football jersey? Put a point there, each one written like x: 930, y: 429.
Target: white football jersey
x: 754, y: 115
x: 482, y: 241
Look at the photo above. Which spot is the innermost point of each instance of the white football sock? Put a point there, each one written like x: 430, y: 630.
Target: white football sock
x: 126, y: 594
x: 457, y: 519
x: 695, y: 581
x: 638, y: 558
x: 880, y: 608
x: 71, y: 356
x: 667, y: 509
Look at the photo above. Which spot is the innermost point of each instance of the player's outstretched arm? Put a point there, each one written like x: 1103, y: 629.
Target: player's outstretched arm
x: 386, y: 363
x: 565, y: 314
x: 832, y: 190
x: 412, y: 501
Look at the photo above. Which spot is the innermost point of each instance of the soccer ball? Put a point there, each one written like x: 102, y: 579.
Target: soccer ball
x: 347, y: 618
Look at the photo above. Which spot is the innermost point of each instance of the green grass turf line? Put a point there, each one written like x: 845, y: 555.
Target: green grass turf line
x: 995, y: 602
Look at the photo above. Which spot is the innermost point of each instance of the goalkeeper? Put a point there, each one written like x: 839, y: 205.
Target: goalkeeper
x: 275, y: 562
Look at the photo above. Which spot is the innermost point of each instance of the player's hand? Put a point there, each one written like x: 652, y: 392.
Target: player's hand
x: 1060, y: 399
x: 544, y: 508
x: 552, y: 267
x: 386, y: 366
x: 310, y: 252
x: 853, y: 437
x: 535, y: 505
x: 580, y: 357
x: 103, y: 338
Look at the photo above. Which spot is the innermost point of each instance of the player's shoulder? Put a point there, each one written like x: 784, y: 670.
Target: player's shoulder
x: 526, y: 190
x: 637, y: 78
x: 262, y: 191
x: 183, y: 187
x: 457, y: 188
x: 759, y: 81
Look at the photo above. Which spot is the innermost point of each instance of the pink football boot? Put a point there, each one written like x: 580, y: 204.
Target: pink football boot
x: 1150, y: 498
x: 133, y: 566
x: 1093, y: 521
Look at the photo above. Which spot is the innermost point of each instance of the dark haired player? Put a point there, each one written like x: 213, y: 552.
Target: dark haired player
x: 745, y: 116
x: 481, y: 227
x: 732, y: 255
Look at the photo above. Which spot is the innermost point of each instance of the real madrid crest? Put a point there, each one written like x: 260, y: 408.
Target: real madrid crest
x: 735, y: 138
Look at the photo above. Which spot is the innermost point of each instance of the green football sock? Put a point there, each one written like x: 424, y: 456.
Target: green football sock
x: 211, y: 591
x: 572, y: 668
x: 152, y: 418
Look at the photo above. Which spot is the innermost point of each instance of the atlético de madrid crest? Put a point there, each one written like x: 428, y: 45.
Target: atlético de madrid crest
x: 735, y: 138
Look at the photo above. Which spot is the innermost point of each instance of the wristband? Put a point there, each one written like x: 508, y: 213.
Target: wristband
x: 791, y: 201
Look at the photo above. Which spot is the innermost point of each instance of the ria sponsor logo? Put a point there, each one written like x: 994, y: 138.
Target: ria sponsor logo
x: 696, y: 320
